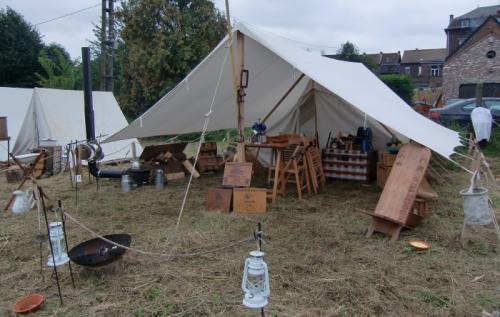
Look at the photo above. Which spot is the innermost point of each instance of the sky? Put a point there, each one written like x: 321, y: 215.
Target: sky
x: 372, y: 25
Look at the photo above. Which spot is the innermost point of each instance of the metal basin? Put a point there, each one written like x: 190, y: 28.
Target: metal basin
x: 97, y: 252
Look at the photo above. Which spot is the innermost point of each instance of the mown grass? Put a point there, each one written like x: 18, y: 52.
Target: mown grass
x: 320, y: 262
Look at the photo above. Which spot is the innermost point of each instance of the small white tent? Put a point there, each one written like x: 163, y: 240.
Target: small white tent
x: 14, y: 103
x: 55, y: 114
x: 333, y: 96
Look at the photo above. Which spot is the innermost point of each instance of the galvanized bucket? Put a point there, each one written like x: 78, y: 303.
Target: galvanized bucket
x: 476, y: 206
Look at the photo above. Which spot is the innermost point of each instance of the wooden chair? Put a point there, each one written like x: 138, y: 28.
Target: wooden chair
x: 287, y: 154
x: 295, y: 171
x: 315, y: 167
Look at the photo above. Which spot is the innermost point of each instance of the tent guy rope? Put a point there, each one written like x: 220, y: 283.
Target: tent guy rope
x: 157, y: 254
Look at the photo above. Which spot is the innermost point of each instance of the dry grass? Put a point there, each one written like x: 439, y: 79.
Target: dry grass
x: 320, y: 262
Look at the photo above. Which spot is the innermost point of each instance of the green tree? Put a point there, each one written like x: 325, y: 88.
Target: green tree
x: 59, y: 71
x: 350, y: 52
x: 20, y: 44
x: 163, y: 41
x: 401, y: 85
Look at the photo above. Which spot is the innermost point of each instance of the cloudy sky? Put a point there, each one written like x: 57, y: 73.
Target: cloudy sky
x: 376, y: 25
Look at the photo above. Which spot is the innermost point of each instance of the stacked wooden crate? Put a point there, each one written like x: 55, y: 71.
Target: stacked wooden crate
x: 53, y: 160
x: 207, y: 159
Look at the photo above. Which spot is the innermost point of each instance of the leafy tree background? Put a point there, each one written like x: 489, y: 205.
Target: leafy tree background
x: 20, y: 44
x: 162, y: 42
x: 59, y: 70
x: 401, y: 85
x: 350, y: 52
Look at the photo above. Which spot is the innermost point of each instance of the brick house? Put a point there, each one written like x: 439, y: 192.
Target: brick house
x: 460, y: 28
x: 424, y: 66
x: 386, y: 63
x: 476, y: 60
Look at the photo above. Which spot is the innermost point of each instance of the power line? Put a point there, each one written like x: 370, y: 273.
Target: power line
x: 67, y: 14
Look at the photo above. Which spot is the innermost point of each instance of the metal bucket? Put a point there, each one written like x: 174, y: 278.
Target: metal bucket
x: 476, y: 206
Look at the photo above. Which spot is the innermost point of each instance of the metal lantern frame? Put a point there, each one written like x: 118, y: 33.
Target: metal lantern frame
x: 256, y: 293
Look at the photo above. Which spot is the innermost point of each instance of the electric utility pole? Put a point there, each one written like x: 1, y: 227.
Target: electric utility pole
x: 107, y: 44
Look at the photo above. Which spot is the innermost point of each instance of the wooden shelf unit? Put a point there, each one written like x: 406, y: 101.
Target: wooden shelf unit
x: 348, y: 164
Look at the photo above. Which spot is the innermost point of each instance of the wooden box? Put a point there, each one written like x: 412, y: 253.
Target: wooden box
x: 14, y: 174
x: 237, y: 174
x: 219, y: 199
x: 388, y: 158
x: 249, y: 200
x: 382, y: 174
x: 175, y: 176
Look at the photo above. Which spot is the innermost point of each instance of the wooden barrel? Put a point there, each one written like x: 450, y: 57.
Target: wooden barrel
x: 3, y: 127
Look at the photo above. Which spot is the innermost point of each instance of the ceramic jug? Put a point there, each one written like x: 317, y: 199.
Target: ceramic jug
x: 22, y: 201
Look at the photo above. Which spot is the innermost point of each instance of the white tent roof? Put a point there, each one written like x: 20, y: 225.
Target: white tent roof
x: 13, y: 104
x: 275, y: 63
x: 59, y: 115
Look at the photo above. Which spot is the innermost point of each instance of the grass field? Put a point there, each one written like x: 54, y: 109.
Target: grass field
x: 320, y: 262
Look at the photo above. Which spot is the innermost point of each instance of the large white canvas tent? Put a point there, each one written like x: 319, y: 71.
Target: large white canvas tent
x: 14, y: 103
x: 332, y: 96
x: 58, y: 115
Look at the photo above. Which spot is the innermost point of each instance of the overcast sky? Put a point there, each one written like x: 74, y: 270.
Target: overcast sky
x: 376, y: 25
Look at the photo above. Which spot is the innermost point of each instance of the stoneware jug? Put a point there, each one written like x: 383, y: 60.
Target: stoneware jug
x: 22, y: 201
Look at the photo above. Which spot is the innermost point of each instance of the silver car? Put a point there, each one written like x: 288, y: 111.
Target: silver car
x: 460, y: 110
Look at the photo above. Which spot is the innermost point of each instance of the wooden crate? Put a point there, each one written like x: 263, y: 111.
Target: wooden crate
x: 237, y: 174
x: 175, y: 176
x: 219, y: 199
x: 388, y: 158
x: 249, y: 200
x: 382, y: 174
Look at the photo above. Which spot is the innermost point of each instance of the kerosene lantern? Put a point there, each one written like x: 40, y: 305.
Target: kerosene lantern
x: 255, y: 283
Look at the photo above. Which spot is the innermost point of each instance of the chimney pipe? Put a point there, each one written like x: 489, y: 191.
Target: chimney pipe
x: 451, y: 17
x: 87, y: 95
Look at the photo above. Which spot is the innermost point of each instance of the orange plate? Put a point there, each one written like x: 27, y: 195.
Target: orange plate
x: 419, y: 245
x: 28, y: 304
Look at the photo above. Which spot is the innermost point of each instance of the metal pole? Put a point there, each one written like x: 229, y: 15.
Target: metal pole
x: 259, y: 238
x: 50, y: 243
x: 59, y: 203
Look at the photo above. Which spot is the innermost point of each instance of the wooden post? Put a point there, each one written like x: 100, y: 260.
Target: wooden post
x: 238, y: 93
x: 240, y: 148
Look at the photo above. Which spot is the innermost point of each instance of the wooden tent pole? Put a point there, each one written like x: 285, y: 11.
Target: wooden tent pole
x: 282, y: 98
x: 240, y: 149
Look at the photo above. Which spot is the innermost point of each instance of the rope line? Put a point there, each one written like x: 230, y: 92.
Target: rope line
x: 156, y: 254
x: 202, y: 139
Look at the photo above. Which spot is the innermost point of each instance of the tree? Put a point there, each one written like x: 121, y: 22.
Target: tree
x: 163, y: 41
x: 20, y: 44
x: 59, y: 70
x: 350, y: 52
x: 401, y: 85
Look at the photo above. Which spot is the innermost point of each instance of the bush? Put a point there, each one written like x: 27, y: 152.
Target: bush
x: 401, y: 85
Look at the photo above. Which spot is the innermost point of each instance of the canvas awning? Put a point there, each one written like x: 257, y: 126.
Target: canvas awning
x: 275, y: 63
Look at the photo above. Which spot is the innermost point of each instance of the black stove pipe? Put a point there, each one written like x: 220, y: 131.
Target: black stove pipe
x: 87, y: 95
x: 89, y: 118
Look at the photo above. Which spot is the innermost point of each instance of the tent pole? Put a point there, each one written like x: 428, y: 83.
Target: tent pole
x: 243, y: 83
x: 237, y: 90
x: 283, y: 98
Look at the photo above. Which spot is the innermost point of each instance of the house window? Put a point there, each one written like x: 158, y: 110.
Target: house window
x: 419, y: 71
x: 435, y: 71
x: 461, y: 40
x: 407, y: 70
x: 465, y: 23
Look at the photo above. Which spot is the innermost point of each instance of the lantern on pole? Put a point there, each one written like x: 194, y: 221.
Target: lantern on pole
x: 255, y: 283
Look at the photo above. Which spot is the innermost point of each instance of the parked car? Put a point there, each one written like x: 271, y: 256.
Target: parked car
x: 460, y: 110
